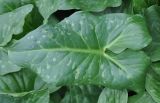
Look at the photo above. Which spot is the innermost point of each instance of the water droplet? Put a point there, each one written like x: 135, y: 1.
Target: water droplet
x: 54, y: 59
x: 32, y: 37
x: 111, y: 21
x: 43, y: 36
x: 44, y: 31
x: 72, y: 24
x: 3, y: 66
x: 38, y: 42
x: 66, y: 21
x: 81, y: 22
x: 48, y: 66
x: 28, y: 37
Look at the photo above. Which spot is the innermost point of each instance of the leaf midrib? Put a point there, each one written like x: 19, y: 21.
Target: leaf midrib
x: 100, y: 52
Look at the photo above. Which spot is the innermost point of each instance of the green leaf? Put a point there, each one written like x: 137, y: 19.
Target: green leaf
x: 33, y: 19
x: 153, y: 82
x: 141, y: 98
x: 8, y: 5
x: 47, y: 7
x: 35, y: 97
x: 6, y: 66
x: 122, y: 31
x: 152, y: 2
x: 12, y: 23
x: 139, y: 5
x: 95, y: 5
x: 40, y: 84
x: 77, y: 50
x: 153, y: 20
x: 18, y: 82
x: 125, y: 7
x: 82, y: 94
x: 20, y: 87
x: 113, y: 96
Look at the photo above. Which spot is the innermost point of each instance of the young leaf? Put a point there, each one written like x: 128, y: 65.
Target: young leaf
x: 113, y: 96
x: 6, y: 66
x: 77, y: 50
x: 141, y: 98
x: 153, y: 82
x: 153, y: 20
x: 12, y: 23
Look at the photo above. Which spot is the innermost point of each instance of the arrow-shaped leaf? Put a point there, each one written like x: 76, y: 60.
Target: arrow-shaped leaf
x: 80, y: 50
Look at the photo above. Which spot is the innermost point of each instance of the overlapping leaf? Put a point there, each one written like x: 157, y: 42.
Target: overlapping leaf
x: 20, y: 87
x: 47, y: 7
x: 6, y: 66
x: 35, y: 97
x: 12, y: 23
x: 8, y: 5
x: 113, y: 96
x: 153, y: 82
x: 153, y: 20
x: 80, y: 50
x: 140, y: 6
x: 95, y: 5
x: 141, y: 98
x: 82, y: 94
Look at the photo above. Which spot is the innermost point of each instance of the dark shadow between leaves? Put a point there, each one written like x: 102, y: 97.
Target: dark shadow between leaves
x: 61, y: 14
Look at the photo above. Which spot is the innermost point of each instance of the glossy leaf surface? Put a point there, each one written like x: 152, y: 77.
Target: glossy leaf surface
x: 68, y: 53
